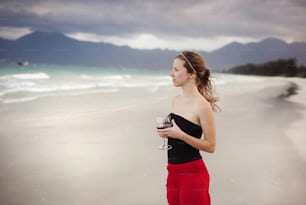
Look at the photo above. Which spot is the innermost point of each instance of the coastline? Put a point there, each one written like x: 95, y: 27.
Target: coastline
x: 73, y: 150
x: 296, y: 130
x: 256, y: 161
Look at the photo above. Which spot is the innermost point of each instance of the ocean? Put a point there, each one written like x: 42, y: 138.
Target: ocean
x: 23, y: 84
x: 79, y: 135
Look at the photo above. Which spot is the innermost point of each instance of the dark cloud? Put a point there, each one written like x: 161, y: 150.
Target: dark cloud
x: 193, y: 18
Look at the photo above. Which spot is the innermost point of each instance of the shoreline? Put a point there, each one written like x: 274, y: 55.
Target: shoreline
x: 255, y: 147
x: 72, y: 150
x: 296, y: 129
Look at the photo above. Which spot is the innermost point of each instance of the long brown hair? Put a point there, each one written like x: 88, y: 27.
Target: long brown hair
x: 194, y: 63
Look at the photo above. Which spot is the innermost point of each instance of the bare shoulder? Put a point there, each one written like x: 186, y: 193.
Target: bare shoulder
x: 202, y: 103
x: 203, y: 106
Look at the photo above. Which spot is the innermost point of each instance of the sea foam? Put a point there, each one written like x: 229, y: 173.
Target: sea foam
x: 31, y: 76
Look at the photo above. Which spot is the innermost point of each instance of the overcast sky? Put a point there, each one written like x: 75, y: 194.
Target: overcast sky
x: 172, y: 24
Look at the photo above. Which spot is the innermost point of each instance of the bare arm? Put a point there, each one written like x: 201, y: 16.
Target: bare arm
x: 208, y: 143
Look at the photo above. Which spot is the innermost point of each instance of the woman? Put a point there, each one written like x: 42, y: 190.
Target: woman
x: 192, y: 116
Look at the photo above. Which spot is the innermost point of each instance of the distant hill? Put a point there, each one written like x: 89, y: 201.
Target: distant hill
x: 281, y: 67
x: 270, y: 49
x: 56, y: 48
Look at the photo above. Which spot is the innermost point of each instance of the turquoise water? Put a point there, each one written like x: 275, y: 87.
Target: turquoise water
x: 23, y: 84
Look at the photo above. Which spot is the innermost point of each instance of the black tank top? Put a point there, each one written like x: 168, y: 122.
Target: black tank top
x: 182, y: 152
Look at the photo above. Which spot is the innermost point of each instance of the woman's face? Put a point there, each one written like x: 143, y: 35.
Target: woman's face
x: 179, y: 73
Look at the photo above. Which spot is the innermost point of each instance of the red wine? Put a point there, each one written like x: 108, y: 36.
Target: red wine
x: 165, y: 126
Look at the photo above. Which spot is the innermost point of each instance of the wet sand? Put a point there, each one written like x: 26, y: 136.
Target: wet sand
x: 77, y: 150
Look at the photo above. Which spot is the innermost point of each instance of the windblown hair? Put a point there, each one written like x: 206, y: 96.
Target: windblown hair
x: 194, y: 63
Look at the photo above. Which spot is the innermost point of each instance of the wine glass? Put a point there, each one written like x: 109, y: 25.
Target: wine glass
x: 162, y: 123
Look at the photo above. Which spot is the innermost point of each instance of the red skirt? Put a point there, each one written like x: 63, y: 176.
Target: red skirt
x: 188, y: 183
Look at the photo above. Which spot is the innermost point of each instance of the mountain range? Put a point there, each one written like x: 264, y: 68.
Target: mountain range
x: 56, y: 48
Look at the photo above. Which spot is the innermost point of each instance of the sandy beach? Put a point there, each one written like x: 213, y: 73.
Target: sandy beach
x: 102, y: 149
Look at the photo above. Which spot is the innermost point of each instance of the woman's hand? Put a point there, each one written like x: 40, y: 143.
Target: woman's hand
x: 172, y: 132
x: 161, y: 132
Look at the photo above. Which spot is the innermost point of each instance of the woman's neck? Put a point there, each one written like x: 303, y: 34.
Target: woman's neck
x: 189, y: 90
